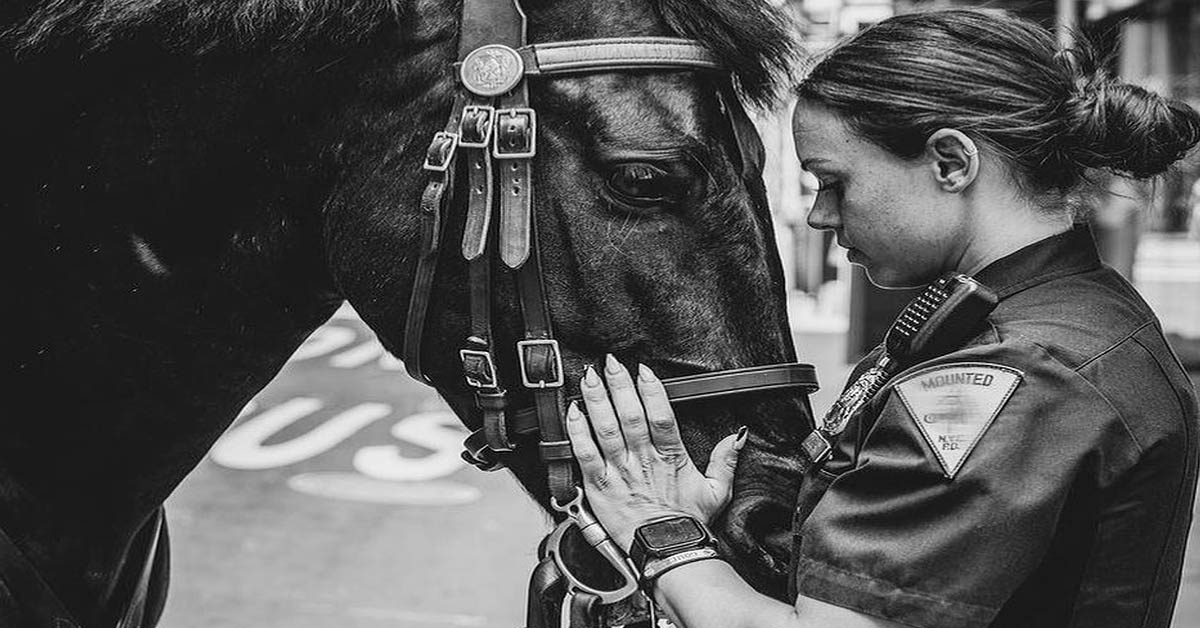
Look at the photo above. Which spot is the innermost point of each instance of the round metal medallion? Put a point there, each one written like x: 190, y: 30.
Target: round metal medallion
x: 492, y: 70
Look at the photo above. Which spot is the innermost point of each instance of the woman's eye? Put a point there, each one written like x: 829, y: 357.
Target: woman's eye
x: 829, y: 186
x: 645, y: 186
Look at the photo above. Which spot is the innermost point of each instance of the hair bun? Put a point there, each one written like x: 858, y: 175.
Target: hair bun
x: 1125, y: 128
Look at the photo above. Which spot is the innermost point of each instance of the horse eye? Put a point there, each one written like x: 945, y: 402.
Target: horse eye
x: 644, y: 186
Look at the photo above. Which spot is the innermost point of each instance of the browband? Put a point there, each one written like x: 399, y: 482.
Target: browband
x: 625, y: 53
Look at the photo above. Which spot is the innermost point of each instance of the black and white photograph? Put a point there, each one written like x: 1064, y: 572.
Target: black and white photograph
x: 600, y: 313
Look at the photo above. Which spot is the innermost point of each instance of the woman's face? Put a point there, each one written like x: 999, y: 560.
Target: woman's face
x: 889, y: 213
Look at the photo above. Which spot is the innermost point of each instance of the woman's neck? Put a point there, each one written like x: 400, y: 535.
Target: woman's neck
x: 1004, y: 227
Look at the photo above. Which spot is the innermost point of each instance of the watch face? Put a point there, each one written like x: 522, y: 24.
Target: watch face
x: 671, y: 532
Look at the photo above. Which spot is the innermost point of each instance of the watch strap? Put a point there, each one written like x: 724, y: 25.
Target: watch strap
x: 657, y: 567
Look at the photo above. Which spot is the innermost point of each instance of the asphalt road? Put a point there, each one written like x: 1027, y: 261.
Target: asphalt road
x: 338, y: 500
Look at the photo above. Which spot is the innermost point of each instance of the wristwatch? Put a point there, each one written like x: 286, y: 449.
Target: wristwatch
x: 661, y: 539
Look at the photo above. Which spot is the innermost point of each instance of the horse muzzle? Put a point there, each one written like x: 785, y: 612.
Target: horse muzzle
x: 756, y: 530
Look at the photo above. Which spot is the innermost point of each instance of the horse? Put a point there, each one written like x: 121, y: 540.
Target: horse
x: 190, y: 189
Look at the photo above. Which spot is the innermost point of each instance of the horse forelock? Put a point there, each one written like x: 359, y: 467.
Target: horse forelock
x: 754, y: 39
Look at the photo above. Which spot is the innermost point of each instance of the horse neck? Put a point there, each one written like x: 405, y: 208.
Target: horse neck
x: 165, y: 236
x: 166, y: 233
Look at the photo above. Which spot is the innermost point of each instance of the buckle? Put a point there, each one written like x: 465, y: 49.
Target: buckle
x: 475, y: 127
x: 483, y: 459
x: 441, y: 151
x: 479, y: 368
x: 525, y: 349
x: 580, y: 516
x: 816, y: 448
x: 516, y: 133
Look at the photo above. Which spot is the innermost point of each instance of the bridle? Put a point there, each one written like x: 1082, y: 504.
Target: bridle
x: 493, y: 128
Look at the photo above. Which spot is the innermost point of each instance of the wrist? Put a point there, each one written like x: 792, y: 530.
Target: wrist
x: 663, y: 537
x: 657, y: 567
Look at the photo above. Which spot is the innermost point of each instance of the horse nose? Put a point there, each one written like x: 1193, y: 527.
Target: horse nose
x: 758, y: 530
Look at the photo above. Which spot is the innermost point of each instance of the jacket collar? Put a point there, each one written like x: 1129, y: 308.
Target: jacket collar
x: 1068, y: 253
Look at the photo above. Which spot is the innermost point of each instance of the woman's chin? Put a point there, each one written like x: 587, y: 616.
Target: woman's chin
x: 888, y: 279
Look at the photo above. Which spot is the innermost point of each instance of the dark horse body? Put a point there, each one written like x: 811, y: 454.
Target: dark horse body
x: 188, y: 190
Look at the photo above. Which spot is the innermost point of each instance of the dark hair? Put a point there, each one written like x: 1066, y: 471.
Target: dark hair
x: 1051, y: 114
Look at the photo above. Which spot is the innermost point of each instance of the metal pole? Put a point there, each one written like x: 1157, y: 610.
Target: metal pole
x: 1065, y: 22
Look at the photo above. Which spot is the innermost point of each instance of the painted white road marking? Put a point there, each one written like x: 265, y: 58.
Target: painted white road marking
x: 363, y: 354
x: 358, y: 356
x: 242, y: 447
x: 324, y: 340
x: 359, y: 488
x: 392, y: 614
x: 440, y: 432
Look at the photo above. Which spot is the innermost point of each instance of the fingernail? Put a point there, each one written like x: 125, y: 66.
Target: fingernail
x: 646, y: 375
x: 573, y: 411
x: 590, y: 377
x: 742, y: 433
x: 611, y: 365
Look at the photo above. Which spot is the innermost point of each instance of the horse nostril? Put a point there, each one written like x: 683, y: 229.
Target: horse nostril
x: 758, y: 530
x: 770, y: 524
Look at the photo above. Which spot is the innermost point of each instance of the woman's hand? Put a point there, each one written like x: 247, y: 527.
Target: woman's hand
x: 636, y: 468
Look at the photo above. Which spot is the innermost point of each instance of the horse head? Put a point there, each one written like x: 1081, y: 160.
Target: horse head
x: 200, y: 186
x: 651, y: 224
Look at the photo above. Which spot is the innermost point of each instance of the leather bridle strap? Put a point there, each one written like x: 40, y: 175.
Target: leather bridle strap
x: 135, y: 610
x: 495, y: 127
x: 39, y: 602
x: 484, y: 24
x: 633, y: 53
x: 439, y: 165
x: 42, y: 605
x: 756, y: 379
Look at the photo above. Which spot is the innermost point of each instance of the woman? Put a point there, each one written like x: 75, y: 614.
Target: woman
x: 1040, y: 472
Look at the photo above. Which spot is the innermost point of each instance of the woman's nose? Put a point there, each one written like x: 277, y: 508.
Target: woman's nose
x: 822, y: 215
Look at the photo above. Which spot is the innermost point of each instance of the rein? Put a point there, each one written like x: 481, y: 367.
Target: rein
x: 24, y: 581
x: 493, y: 128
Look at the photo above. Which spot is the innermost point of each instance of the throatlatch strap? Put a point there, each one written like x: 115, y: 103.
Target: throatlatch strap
x: 439, y: 164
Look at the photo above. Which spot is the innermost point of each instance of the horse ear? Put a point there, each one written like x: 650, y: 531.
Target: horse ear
x: 751, y: 153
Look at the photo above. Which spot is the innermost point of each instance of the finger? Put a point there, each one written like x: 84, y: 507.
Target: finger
x: 591, y: 463
x: 664, y: 430
x: 628, y: 405
x: 603, y: 418
x: 723, y: 464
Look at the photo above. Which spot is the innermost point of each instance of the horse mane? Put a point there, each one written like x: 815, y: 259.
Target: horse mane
x: 190, y: 27
x: 753, y: 38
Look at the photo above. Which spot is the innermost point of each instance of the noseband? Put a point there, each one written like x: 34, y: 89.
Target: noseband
x: 494, y: 129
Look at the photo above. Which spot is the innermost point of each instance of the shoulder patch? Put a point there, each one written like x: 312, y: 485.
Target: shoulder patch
x: 953, y: 405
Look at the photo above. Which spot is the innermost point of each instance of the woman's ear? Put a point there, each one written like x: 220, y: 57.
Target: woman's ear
x: 954, y: 158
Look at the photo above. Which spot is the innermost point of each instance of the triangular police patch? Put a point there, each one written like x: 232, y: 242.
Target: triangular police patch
x: 953, y: 405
